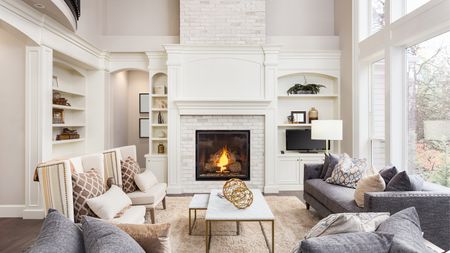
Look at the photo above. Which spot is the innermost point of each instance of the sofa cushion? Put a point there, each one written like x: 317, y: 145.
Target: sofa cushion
x: 337, y: 198
x: 388, y: 173
x: 360, y: 242
x: 332, y: 162
x: 103, y: 237
x: 108, y: 205
x: 400, y: 182
x: 85, y: 186
x: 155, y: 193
x: 405, y: 226
x: 416, y: 182
x: 58, y: 234
x: 152, y: 237
x: 145, y: 180
x: 129, y: 169
x: 132, y: 215
x: 432, y: 187
x: 373, y: 183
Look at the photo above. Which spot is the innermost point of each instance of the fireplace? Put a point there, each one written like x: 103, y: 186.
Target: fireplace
x: 222, y: 154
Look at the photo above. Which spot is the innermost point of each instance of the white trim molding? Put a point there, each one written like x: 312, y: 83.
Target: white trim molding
x: 11, y: 211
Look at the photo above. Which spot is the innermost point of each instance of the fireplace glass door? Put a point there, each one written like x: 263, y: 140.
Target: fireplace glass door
x: 222, y: 154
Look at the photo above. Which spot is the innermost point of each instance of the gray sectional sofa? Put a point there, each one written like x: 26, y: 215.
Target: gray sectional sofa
x: 432, y: 203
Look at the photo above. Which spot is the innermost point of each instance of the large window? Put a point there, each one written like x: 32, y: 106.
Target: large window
x: 377, y: 15
x: 377, y: 113
x: 429, y: 108
x: 414, y: 4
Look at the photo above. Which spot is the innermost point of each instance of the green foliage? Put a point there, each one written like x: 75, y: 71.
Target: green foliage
x: 310, y: 88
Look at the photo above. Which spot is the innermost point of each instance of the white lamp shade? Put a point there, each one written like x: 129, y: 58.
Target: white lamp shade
x: 326, y: 130
x: 437, y: 130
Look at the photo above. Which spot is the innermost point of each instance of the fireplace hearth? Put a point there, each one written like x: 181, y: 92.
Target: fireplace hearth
x: 222, y: 154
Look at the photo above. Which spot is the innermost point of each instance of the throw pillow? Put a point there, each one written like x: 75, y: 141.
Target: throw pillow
x: 151, y: 237
x: 388, y: 173
x: 85, y: 186
x: 347, y: 222
x: 326, y: 163
x: 348, y: 171
x: 129, y: 169
x: 373, y: 183
x: 103, y: 237
x: 145, y: 180
x: 360, y: 242
x: 405, y: 226
x: 108, y: 205
x: 399, y: 182
x: 58, y: 234
x: 332, y: 162
x: 416, y: 182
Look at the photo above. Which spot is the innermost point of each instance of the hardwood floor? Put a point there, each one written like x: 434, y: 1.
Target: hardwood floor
x: 16, y: 234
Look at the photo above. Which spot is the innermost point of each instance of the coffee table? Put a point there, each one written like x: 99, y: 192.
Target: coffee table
x: 221, y: 210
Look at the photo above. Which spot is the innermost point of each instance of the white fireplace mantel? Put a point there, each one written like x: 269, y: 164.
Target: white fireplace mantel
x: 222, y: 107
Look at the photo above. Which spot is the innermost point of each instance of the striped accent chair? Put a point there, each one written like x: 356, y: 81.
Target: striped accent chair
x: 150, y: 198
x: 55, y: 179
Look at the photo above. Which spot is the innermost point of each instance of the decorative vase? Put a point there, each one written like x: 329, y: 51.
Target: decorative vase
x: 313, y: 114
x: 161, y: 148
x: 160, y: 118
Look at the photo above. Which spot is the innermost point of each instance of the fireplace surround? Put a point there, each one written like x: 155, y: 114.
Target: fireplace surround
x: 222, y: 154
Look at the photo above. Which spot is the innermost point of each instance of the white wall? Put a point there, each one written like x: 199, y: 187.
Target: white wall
x: 119, y: 100
x: 138, y: 82
x: 299, y: 17
x: 343, y: 28
x: 12, y: 111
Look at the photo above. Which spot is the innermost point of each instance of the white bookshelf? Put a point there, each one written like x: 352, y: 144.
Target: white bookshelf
x: 159, y: 131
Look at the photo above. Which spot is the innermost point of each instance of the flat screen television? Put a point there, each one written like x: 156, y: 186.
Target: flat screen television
x: 300, y: 140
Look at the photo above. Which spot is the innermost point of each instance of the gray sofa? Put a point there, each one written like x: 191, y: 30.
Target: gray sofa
x: 432, y: 203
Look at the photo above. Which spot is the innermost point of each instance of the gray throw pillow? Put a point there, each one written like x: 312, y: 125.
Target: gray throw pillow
x: 360, y: 242
x: 405, y: 226
x: 388, y: 173
x: 103, y: 237
x: 399, y: 182
x: 58, y: 234
x: 333, y: 160
x: 326, y: 162
x: 416, y: 182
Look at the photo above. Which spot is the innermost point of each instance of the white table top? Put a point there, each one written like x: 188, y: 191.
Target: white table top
x: 221, y: 209
x: 199, y: 201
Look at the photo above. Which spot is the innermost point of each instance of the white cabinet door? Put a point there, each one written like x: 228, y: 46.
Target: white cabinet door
x: 158, y: 165
x: 288, y: 170
x: 309, y: 160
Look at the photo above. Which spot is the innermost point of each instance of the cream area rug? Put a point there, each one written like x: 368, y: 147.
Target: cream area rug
x: 292, y: 222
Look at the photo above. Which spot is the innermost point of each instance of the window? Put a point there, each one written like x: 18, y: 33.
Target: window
x: 414, y: 4
x: 377, y: 114
x: 428, y: 66
x: 377, y: 21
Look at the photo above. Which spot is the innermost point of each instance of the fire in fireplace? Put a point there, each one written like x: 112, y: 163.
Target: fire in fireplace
x: 222, y: 154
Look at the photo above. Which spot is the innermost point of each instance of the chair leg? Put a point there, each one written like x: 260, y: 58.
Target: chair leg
x: 307, y: 206
x: 152, y: 215
x: 164, y: 203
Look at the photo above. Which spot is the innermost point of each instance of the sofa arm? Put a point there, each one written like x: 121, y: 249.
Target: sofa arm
x: 433, y: 209
x: 312, y: 171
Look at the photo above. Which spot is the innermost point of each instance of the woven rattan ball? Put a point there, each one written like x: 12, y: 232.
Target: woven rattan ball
x: 237, y: 193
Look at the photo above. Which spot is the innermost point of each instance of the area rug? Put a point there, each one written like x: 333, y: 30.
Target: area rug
x: 292, y: 222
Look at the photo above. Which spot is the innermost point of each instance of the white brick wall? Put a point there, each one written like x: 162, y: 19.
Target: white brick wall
x: 190, y: 123
x: 223, y: 22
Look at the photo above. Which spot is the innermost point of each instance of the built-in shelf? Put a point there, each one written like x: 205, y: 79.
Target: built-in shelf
x: 62, y: 90
x: 65, y: 107
x: 67, y: 141
x: 159, y: 109
x: 68, y: 125
x: 159, y: 139
x: 159, y: 125
x: 309, y: 96
x: 294, y: 125
x: 159, y: 95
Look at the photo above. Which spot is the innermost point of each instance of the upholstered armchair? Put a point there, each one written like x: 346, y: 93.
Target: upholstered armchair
x: 55, y: 179
x: 149, y: 198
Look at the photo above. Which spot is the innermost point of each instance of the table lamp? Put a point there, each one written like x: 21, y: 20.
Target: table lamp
x: 328, y: 130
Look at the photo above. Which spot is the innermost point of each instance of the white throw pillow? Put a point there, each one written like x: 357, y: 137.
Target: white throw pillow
x: 108, y: 205
x: 373, y: 183
x: 145, y: 180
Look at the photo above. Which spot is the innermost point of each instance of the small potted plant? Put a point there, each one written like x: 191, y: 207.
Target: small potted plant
x: 307, y: 88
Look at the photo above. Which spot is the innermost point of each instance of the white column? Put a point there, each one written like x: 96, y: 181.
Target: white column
x: 38, y: 122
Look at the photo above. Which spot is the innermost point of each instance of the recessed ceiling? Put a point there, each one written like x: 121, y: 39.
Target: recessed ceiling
x: 56, y: 9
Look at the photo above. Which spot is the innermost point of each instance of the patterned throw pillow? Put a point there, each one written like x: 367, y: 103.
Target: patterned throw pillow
x: 348, y: 171
x: 129, y: 168
x: 85, y: 186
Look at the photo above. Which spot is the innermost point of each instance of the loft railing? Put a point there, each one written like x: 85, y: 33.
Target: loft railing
x: 74, y: 6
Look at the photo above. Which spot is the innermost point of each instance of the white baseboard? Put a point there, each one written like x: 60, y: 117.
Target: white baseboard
x: 11, y: 211
x: 290, y: 187
x: 33, y: 214
x: 271, y: 189
x: 172, y: 189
